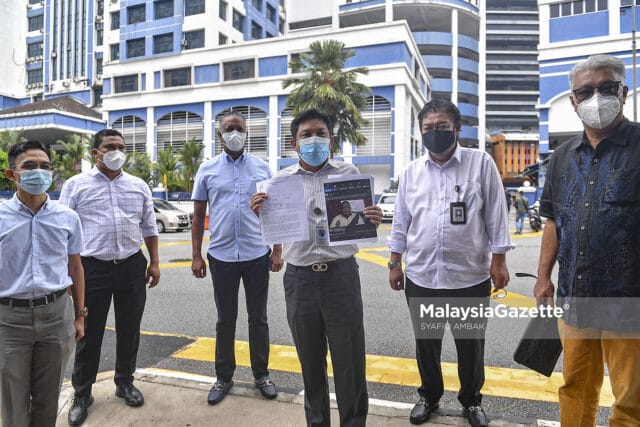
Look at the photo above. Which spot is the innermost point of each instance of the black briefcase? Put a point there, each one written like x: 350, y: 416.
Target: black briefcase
x: 540, y: 346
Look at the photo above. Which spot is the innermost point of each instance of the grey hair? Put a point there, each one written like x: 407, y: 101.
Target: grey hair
x: 596, y: 62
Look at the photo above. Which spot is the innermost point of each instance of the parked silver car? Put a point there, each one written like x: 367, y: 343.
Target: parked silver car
x: 387, y: 202
x: 169, y: 217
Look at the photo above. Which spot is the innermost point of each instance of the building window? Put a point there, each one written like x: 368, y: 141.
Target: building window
x: 163, y: 9
x: 269, y: 35
x: 193, y: 7
x: 99, y: 66
x: 36, y: 23
x: 97, y: 96
x: 163, y: 43
x: 115, y: 20
x: 281, y: 26
x: 193, y: 39
x: 34, y: 76
x: 134, y: 131
x: 239, y: 69
x: 238, y: 20
x: 99, y: 37
x: 175, y: 128
x: 271, y: 14
x: 124, y: 84
x: 256, y: 30
x: 257, y: 4
x: 177, y: 77
x: 34, y: 49
x: 223, y: 10
x: 34, y: 1
x: 136, y: 14
x: 100, y: 7
x: 222, y: 39
x: 578, y: 7
x: 115, y: 51
x: 135, y: 48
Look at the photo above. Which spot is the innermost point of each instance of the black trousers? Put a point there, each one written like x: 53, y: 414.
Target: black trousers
x: 126, y: 284
x: 326, y: 307
x: 226, y: 282
x: 469, y: 345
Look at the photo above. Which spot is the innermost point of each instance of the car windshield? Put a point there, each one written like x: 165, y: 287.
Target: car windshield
x: 164, y: 205
x: 387, y: 199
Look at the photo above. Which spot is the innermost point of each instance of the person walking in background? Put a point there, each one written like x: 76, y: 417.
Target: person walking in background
x: 522, y: 206
x: 40, y: 245
x: 235, y: 252
x: 591, y: 199
x: 451, y: 222
x: 116, y: 211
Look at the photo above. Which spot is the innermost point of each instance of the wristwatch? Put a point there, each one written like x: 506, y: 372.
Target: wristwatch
x: 84, y: 312
x: 394, y: 264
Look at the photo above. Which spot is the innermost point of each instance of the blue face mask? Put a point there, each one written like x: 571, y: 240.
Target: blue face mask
x: 35, y: 182
x: 314, y: 150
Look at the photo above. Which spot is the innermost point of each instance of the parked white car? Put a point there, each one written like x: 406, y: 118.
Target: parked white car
x: 169, y: 217
x: 387, y: 202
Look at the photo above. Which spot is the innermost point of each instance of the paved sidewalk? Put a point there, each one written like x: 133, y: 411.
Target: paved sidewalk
x: 173, y: 399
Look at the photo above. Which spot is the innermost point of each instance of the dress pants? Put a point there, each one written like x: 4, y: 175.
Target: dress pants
x: 125, y: 282
x: 585, y: 351
x: 35, y: 346
x: 226, y: 282
x: 326, y: 307
x: 469, y: 344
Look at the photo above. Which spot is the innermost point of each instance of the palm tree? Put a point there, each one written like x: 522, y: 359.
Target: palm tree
x: 167, y: 165
x: 10, y: 137
x: 5, y: 183
x: 189, y: 155
x: 139, y: 164
x: 70, y: 163
x: 327, y: 87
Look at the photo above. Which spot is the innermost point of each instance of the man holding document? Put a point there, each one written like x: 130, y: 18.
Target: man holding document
x: 322, y: 283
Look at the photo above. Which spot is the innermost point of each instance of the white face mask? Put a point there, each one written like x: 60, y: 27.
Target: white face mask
x: 599, y: 111
x: 114, y: 160
x: 234, y: 140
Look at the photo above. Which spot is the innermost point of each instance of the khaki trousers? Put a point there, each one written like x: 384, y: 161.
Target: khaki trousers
x: 585, y: 353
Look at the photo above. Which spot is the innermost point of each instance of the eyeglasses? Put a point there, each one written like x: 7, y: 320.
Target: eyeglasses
x: 606, y: 88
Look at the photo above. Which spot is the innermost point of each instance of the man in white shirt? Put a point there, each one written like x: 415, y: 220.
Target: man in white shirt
x: 346, y: 217
x: 451, y: 221
x: 116, y: 211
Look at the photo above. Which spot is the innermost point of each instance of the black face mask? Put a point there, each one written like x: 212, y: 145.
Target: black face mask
x: 438, y: 141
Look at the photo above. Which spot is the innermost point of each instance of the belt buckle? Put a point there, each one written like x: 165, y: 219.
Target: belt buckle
x: 319, y: 267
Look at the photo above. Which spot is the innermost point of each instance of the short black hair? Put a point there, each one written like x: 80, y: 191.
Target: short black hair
x: 21, y: 147
x: 305, y: 116
x: 440, y: 105
x: 232, y: 113
x: 99, y: 136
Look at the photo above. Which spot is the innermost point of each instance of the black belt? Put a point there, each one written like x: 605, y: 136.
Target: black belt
x: 321, y: 267
x: 110, y: 261
x: 33, y: 303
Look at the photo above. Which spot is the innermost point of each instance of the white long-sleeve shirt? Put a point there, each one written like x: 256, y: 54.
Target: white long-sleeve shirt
x: 440, y: 254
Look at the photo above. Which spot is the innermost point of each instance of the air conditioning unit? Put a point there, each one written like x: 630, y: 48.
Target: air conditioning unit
x: 29, y: 6
x: 183, y: 43
x: 54, y: 54
x: 98, y: 18
x: 66, y: 83
x: 76, y: 79
x: 29, y: 86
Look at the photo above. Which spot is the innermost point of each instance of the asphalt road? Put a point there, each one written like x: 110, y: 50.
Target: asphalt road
x: 181, y: 308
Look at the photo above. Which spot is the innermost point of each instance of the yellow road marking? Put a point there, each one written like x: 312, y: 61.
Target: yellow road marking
x: 501, y: 382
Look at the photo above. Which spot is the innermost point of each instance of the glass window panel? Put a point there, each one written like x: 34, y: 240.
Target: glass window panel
x: 136, y: 14
x: 194, y: 39
x: 163, y: 43
x: 163, y: 9
x: 135, y: 48
x: 193, y: 7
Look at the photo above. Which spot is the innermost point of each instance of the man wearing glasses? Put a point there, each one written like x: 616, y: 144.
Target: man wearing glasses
x: 451, y: 221
x: 591, y: 200
x: 40, y: 244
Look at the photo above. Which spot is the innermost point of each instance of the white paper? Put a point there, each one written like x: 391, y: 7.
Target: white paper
x: 283, y: 215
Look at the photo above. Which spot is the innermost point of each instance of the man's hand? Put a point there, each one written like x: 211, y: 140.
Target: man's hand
x: 396, y: 279
x: 198, y: 267
x: 153, y: 275
x: 78, y: 325
x: 275, y: 262
x: 543, y: 291
x: 373, y: 214
x: 498, y: 271
x: 256, y: 201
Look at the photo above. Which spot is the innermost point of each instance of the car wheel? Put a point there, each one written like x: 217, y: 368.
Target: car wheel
x: 160, y: 226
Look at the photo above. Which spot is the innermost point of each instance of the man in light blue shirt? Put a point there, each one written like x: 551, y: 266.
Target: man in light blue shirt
x: 236, y: 252
x: 40, y: 244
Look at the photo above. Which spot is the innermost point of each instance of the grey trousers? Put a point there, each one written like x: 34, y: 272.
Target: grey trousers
x: 324, y: 309
x: 35, y: 346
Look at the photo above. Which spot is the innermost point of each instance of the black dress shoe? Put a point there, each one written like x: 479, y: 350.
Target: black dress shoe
x: 131, y: 395
x: 421, y: 412
x: 219, y: 391
x: 267, y: 388
x: 476, y: 416
x: 79, y: 410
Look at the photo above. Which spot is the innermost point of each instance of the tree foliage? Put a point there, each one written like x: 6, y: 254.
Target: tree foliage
x: 5, y: 183
x: 70, y: 162
x: 139, y: 164
x: 190, y: 159
x: 328, y: 87
x: 167, y: 166
x: 10, y: 137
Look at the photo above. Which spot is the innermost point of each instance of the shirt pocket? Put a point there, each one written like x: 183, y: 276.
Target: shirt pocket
x: 622, y: 187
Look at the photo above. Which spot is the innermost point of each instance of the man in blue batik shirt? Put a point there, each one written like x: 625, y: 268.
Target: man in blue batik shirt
x: 235, y: 252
